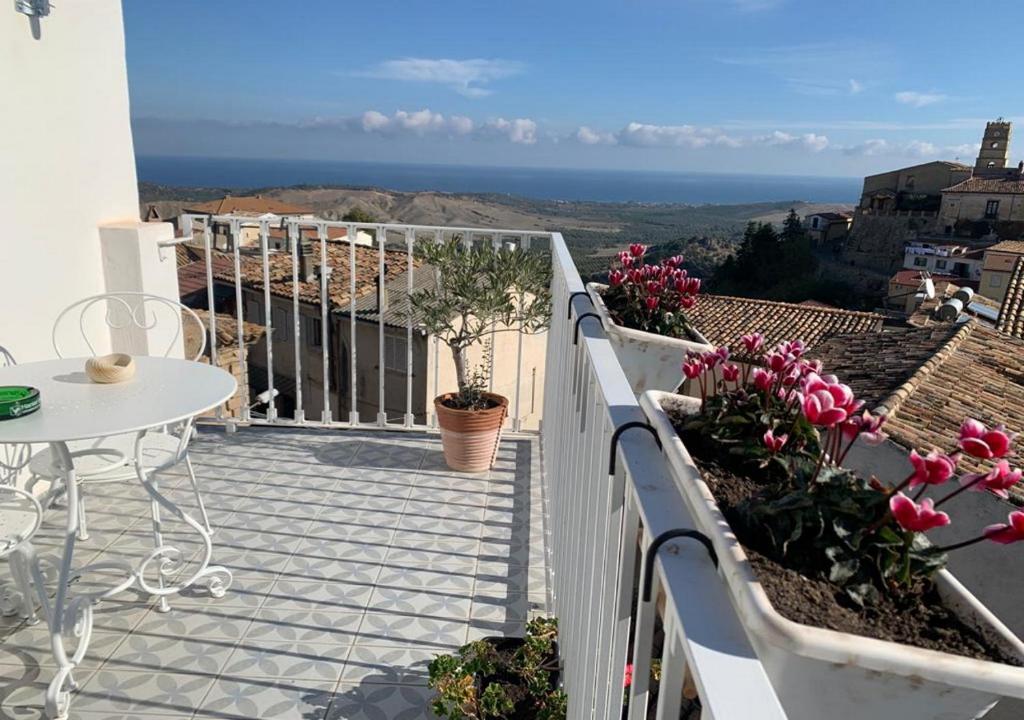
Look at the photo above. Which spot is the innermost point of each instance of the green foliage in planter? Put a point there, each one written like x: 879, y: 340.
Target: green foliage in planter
x: 480, y: 290
x: 834, y: 525
x: 510, y: 679
x: 736, y: 421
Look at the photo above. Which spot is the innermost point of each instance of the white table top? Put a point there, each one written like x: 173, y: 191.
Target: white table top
x: 163, y: 391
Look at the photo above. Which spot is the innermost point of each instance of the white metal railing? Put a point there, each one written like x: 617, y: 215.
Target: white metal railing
x: 601, y: 524
x: 230, y: 295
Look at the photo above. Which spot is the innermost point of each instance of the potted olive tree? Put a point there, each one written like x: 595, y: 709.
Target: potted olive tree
x: 479, y: 290
x: 845, y: 600
x: 643, y: 309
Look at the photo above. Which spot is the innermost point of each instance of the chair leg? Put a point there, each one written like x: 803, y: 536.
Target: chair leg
x: 158, y: 542
x: 83, y: 529
x: 199, y: 497
x: 20, y: 575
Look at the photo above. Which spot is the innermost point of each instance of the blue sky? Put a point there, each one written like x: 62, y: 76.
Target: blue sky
x: 811, y: 87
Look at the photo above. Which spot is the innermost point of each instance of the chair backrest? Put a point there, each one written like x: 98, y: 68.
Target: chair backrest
x: 12, y: 457
x: 127, y: 311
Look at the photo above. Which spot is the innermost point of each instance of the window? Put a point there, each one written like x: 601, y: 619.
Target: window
x: 992, y: 163
x: 992, y: 209
x: 282, y: 324
x: 940, y: 264
x: 910, y: 181
x: 395, y: 353
x: 314, y: 331
x: 995, y: 280
x: 254, y: 312
x: 920, y: 261
x: 994, y: 145
x: 814, y: 222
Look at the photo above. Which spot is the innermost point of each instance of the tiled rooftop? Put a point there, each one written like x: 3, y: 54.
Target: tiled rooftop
x: 723, y: 320
x: 356, y: 558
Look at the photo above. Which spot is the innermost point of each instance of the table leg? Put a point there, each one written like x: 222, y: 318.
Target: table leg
x: 169, y: 559
x: 66, y: 615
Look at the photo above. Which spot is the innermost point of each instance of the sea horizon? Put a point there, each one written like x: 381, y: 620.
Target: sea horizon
x: 550, y: 184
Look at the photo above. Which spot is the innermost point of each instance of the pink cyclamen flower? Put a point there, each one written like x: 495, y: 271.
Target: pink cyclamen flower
x: 763, y: 380
x: 980, y: 442
x: 730, y: 372
x: 628, y: 678
x: 674, y: 261
x: 615, y: 278
x: 651, y: 302
x: 752, y: 342
x: 914, y: 517
x: 693, y: 367
x: 820, y: 409
x: 1006, y: 533
x: 722, y: 352
x: 687, y: 301
x: 998, y: 480
x: 932, y: 469
x: 774, y: 443
x: 865, y: 426
x: 637, y: 250
x: 777, y: 362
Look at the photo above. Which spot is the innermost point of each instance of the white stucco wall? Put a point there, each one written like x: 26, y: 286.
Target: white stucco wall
x: 66, y: 162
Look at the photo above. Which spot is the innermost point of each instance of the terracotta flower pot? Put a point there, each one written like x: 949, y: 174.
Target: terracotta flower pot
x: 470, y: 437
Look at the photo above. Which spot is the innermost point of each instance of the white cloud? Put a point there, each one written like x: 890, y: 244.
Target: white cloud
x: 820, y: 69
x: 467, y: 77
x: 919, y: 99
x: 809, y: 141
x: 856, y: 87
x: 588, y: 136
x: 521, y: 131
x: 691, y: 136
x: 916, y: 149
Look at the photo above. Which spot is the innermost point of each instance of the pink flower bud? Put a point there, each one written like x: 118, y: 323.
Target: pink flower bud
x: 773, y: 443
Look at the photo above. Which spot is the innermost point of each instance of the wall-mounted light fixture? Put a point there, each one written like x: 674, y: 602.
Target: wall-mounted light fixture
x: 33, y: 8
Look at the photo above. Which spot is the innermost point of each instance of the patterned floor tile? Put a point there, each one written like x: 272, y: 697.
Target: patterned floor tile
x: 278, y: 698
x: 302, y: 626
x: 381, y: 702
x: 144, y: 693
x: 313, y: 661
x: 324, y: 596
x: 356, y: 557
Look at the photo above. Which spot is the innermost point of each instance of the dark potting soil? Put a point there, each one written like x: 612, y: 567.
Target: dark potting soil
x: 920, y: 620
x: 485, y: 404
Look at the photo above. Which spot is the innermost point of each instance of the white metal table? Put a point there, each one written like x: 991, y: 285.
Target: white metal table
x: 164, y: 391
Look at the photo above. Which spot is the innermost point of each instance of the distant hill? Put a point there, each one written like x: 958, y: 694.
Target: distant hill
x: 593, y: 230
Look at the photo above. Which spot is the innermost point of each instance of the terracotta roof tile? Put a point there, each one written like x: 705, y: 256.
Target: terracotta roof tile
x: 1008, y: 246
x: 338, y: 259
x: 723, y: 320
x: 988, y: 185
x: 875, y: 365
x: 977, y: 373
x: 1011, y: 313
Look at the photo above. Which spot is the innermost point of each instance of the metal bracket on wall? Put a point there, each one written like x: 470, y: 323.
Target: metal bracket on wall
x: 576, y: 329
x: 613, y: 450
x: 32, y: 8
x: 572, y: 296
x: 656, y: 543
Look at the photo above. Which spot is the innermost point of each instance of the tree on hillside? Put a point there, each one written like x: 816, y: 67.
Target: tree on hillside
x: 358, y: 215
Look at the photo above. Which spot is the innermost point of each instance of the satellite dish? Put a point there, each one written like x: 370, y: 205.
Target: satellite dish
x: 929, y: 288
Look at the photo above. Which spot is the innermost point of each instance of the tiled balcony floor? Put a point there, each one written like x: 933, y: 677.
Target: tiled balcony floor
x: 356, y: 558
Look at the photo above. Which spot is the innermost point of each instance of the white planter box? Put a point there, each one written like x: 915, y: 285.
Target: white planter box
x: 651, y: 362
x: 822, y: 674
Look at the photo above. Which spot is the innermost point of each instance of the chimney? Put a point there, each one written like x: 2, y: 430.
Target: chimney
x: 307, y: 271
x: 382, y: 291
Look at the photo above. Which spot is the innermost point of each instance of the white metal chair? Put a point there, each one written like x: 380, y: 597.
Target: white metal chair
x: 20, y: 518
x: 113, y: 459
x: 20, y: 515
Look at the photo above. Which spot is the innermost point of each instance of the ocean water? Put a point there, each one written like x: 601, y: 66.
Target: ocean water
x: 537, y: 183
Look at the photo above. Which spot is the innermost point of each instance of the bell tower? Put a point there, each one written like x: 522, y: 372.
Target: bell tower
x: 995, y: 148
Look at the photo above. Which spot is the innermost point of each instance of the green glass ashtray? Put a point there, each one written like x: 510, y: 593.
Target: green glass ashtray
x: 17, y: 400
